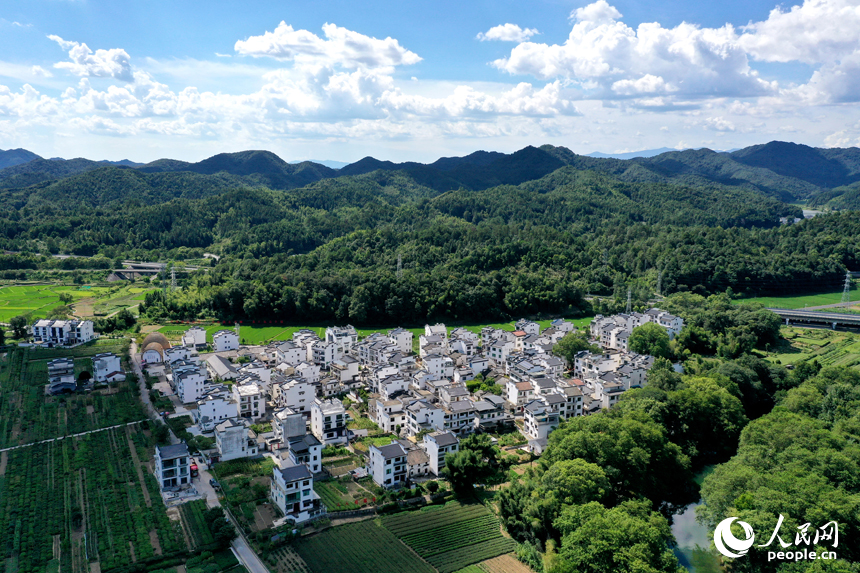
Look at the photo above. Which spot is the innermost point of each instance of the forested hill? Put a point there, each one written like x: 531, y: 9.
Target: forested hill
x: 785, y: 171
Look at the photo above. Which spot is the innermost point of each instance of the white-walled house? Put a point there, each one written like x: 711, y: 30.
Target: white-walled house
x: 175, y: 353
x: 250, y: 399
x: 221, y: 368
x: 194, y: 337
x: 345, y: 369
x: 344, y: 337
x: 189, y: 380
x: 296, y: 394
x: 172, y: 467
x: 328, y: 421
x: 287, y: 424
x: 107, y: 367
x: 307, y: 450
x: 438, y: 445
x: 224, y: 340
x: 323, y: 353
x: 214, y: 407
x: 291, y: 353
x: 62, y: 332
x: 387, y: 464
x: 527, y: 326
x: 402, y: 339
x: 234, y: 440
x: 292, y: 491
x: 422, y: 415
x: 539, y: 420
x: 310, y: 372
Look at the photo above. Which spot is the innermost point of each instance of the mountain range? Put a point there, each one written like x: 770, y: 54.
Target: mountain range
x: 785, y: 171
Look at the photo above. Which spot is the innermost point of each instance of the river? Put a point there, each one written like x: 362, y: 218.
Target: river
x: 694, y: 540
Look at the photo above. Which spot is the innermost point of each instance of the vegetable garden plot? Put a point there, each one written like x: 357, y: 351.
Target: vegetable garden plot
x: 87, y: 492
x: 453, y: 537
x: 364, y: 547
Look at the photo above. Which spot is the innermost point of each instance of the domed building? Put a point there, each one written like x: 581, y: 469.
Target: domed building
x: 153, y: 347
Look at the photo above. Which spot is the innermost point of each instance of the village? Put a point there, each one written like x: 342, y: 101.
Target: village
x: 424, y: 401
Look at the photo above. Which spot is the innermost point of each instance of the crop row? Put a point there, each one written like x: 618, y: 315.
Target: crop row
x: 414, y: 522
x: 460, y: 535
x: 192, y: 516
x: 362, y: 547
x: 76, y: 488
x: 456, y: 559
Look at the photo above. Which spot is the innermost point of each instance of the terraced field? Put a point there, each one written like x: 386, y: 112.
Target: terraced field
x: 830, y: 348
x: 35, y: 300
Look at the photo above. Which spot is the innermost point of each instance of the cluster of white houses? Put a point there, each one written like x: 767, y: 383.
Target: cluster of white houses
x: 422, y: 397
x: 106, y: 368
x: 52, y: 333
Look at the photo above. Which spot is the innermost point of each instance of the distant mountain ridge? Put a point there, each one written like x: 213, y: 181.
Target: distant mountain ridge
x: 785, y: 171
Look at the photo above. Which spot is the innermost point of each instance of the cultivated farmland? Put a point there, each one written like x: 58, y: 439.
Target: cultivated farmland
x: 363, y: 547
x: 28, y: 415
x: 451, y: 537
x: 195, y: 527
x: 75, y: 501
x: 88, y: 301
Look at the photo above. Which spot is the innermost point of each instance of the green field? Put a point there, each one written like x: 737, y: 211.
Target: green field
x: 89, y: 301
x: 794, y: 302
x: 28, y: 415
x: 363, y: 547
x: 264, y: 333
x: 829, y: 347
x: 79, y: 501
x: 452, y: 537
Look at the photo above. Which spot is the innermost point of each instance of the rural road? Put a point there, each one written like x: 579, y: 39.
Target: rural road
x: 69, y: 436
x: 835, y: 305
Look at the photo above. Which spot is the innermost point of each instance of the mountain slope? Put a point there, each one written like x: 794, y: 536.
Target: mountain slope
x: 12, y: 157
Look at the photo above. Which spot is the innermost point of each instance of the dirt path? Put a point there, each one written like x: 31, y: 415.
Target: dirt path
x: 136, y: 461
x: 131, y: 550
x: 4, y: 459
x: 156, y: 544
x: 174, y: 515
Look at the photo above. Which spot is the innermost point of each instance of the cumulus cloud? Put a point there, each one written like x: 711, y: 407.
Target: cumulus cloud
x: 340, y: 46
x: 507, y: 33
x: 113, y: 63
x: 609, y: 57
x: 815, y: 32
x: 40, y: 71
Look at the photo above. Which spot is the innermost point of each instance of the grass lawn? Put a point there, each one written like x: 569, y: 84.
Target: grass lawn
x: 261, y: 333
x: 795, y: 302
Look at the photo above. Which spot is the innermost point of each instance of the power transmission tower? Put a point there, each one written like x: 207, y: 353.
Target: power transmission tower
x: 236, y: 328
x: 629, y: 300
x: 846, y: 293
x: 660, y: 283
x: 399, y: 266
x: 172, y: 279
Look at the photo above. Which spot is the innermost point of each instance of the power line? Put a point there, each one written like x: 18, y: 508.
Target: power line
x: 846, y: 293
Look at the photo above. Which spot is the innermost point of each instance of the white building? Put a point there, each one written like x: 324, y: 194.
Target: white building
x: 194, y: 337
x: 527, y: 326
x: 387, y: 465
x: 172, y: 467
x: 292, y: 491
x: 345, y: 369
x: 344, y: 337
x: 402, y: 339
x: 287, y: 424
x: 422, y: 415
x: 323, y: 353
x: 234, y: 440
x: 62, y: 332
x: 189, y: 380
x: 308, y: 372
x: 107, y: 367
x: 296, y: 394
x: 438, y: 445
x: 224, y: 340
x: 539, y: 420
x: 175, y: 353
x: 250, y: 399
x: 291, y: 353
x: 307, y: 450
x: 216, y: 406
x: 328, y: 421
x: 436, y: 329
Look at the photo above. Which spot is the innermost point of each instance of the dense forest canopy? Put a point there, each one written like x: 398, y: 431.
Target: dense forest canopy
x: 483, y: 236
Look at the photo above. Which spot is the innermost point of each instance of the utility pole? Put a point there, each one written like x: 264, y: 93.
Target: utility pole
x: 629, y: 300
x: 846, y: 293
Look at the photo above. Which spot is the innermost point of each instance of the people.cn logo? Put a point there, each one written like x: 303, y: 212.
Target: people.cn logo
x: 728, y: 544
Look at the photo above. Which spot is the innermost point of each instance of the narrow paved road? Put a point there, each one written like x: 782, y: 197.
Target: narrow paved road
x: 144, y: 392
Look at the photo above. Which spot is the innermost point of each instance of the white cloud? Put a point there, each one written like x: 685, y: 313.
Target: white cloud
x: 340, y: 47
x: 40, y: 71
x: 815, y: 32
x: 718, y: 124
x: 113, y: 63
x: 507, y: 33
x: 647, y: 84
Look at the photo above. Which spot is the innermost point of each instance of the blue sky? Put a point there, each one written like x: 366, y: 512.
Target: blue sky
x: 419, y: 80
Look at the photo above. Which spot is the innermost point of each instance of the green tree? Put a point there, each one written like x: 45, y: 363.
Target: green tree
x: 629, y: 537
x: 65, y: 297
x: 20, y: 326
x: 662, y: 375
x: 650, y: 338
x: 573, y: 342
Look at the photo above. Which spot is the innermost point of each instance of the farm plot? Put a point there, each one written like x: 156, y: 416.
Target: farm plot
x: 343, y: 494
x: 246, y: 484
x: 85, y: 493
x: 286, y: 560
x: 363, y: 547
x: 28, y: 415
x: 192, y: 521
x: 830, y: 348
x: 453, y: 537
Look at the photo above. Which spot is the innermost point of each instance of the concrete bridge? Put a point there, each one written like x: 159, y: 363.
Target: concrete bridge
x: 831, y: 319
